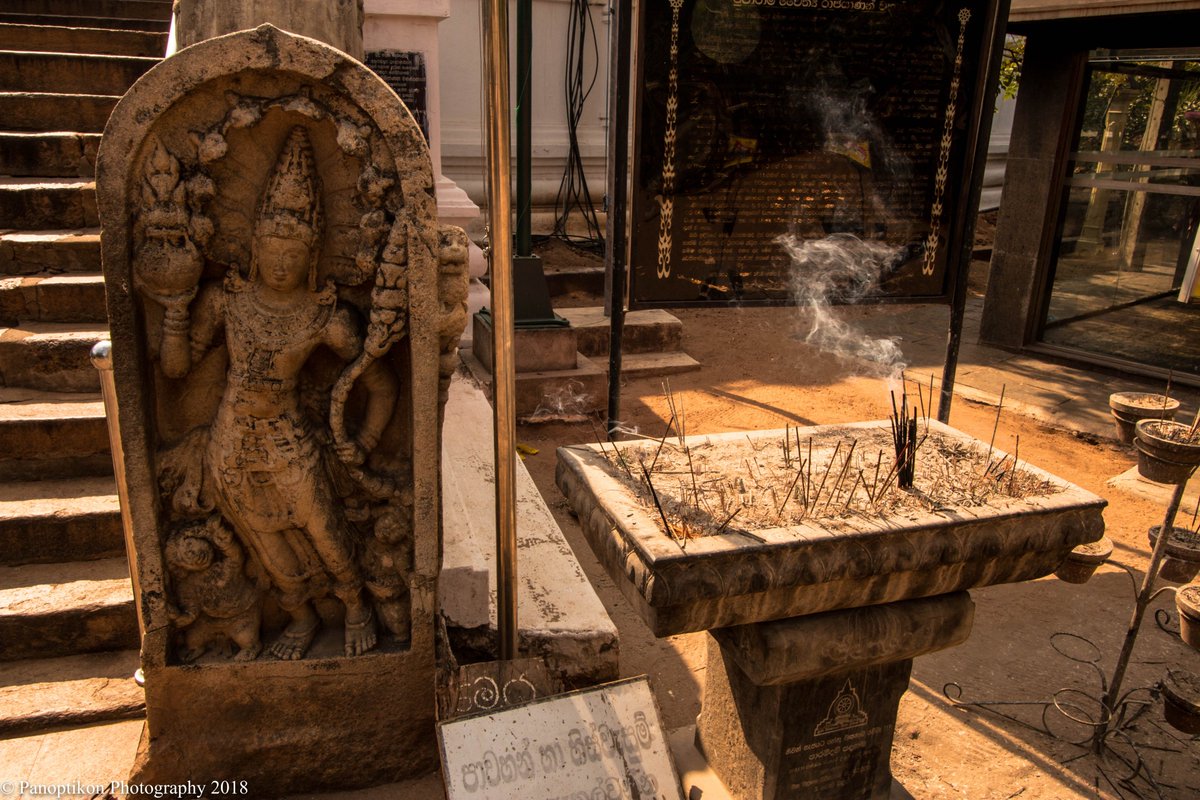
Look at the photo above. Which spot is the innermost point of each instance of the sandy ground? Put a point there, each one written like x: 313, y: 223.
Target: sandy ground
x: 757, y: 375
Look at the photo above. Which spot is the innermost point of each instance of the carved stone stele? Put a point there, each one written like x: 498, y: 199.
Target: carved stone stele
x: 284, y: 310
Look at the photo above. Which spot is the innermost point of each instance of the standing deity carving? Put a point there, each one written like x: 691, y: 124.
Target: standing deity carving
x: 283, y: 515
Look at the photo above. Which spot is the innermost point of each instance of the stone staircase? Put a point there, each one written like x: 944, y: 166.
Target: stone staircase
x: 68, y: 632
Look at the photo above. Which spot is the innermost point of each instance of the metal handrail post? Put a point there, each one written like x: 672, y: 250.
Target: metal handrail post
x: 102, y: 361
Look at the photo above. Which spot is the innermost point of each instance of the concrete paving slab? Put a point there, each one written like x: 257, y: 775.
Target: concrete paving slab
x: 559, y: 614
x: 95, y: 755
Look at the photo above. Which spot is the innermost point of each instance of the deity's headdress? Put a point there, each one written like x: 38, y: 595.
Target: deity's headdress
x: 291, y: 203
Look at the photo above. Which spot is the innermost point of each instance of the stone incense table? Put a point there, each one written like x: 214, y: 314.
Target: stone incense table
x: 818, y: 579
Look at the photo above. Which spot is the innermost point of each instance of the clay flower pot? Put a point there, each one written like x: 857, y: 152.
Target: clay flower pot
x: 1084, y: 560
x: 1181, y: 560
x: 1166, y: 451
x: 1187, y: 603
x: 1181, y: 700
x: 1130, y: 408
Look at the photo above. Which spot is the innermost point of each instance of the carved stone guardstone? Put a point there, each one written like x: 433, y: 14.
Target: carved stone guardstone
x: 806, y: 707
x: 285, y: 311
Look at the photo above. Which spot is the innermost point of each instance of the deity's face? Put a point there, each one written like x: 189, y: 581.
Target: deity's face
x: 282, y: 263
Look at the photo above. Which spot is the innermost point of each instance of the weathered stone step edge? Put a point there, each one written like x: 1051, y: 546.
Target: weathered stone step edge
x: 49, y: 521
x: 48, y: 203
x: 116, y: 9
x: 52, y: 435
x: 51, y: 610
x: 48, y: 153
x: 648, y: 365
x: 45, y: 111
x: 35, y: 71
x: 69, y: 691
x: 50, y: 252
x: 53, y: 298
x: 649, y: 331
x: 74, y: 21
x: 64, y: 39
x: 52, y: 356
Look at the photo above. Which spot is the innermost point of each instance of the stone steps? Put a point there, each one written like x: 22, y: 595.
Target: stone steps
x: 40, y: 111
x: 68, y: 630
x: 649, y: 331
x: 52, y: 610
x: 74, y: 21
x: 48, y: 435
x: 53, y: 298
x: 50, y: 252
x: 50, y: 356
x: 38, y: 694
x: 112, y: 9
x: 70, y: 73
x: 48, y: 521
x: 48, y: 203
x: 48, y: 153
x: 101, y: 41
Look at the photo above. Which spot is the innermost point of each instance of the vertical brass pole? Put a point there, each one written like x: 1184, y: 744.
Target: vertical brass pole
x: 495, y: 38
x: 102, y: 361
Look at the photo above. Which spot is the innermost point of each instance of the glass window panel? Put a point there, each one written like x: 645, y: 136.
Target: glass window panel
x: 1131, y: 206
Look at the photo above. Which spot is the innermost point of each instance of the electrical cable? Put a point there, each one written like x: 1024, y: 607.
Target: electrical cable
x: 573, y: 194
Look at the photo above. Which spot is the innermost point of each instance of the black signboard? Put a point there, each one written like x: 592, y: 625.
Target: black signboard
x: 822, y: 120
x: 404, y: 71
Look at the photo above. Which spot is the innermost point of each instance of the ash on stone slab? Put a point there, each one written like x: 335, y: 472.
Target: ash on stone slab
x: 37, y: 694
x: 730, y: 578
x: 49, y: 610
x: 550, y: 395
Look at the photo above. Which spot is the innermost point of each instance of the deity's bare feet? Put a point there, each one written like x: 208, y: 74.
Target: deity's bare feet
x: 248, y: 653
x: 296, y: 637
x: 360, y: 629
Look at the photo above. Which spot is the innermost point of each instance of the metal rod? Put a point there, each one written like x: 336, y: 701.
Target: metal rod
x: 495, y: 32
x: 959, y: 261
x: 524, y: 127
x: 1145, y: 594
x: 102, y: 361
x: 618, y: 182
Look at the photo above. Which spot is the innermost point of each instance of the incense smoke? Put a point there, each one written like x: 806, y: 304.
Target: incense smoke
x: 843, y: 269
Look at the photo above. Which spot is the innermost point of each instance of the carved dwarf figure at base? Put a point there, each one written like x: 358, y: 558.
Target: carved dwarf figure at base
x: 214, y: 596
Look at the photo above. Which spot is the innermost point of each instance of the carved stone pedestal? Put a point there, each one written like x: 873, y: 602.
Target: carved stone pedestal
x: 806, y: 707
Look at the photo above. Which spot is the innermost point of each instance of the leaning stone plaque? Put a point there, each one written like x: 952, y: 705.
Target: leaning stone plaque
x: 284, y: 310
x: 757, y: 119
x: 606, y: 741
